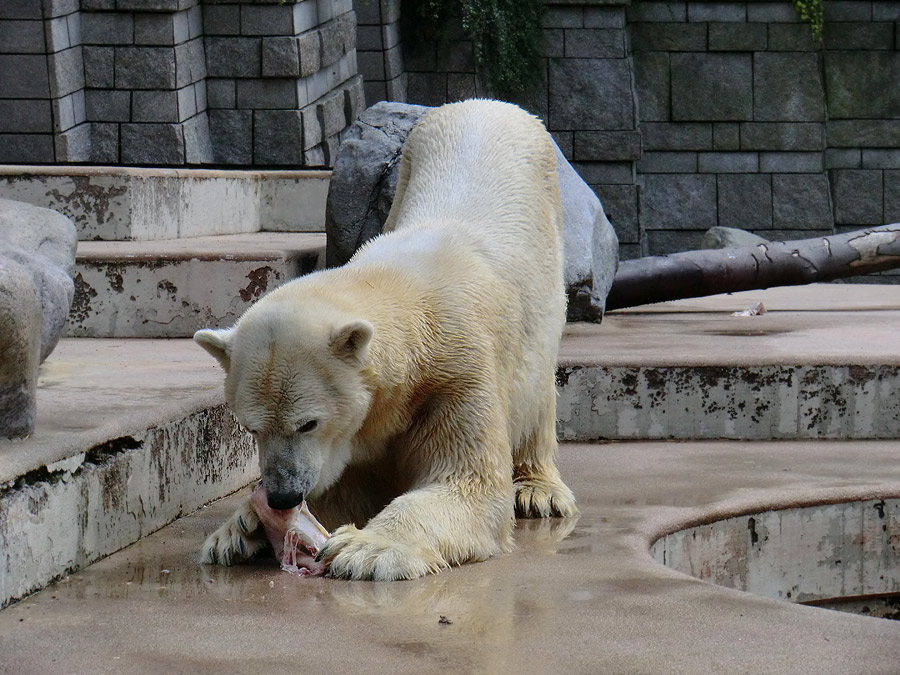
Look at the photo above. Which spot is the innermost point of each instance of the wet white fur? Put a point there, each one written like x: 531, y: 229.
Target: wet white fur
x: 428, y: 360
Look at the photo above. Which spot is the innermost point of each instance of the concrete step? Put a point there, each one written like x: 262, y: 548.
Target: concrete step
x: 823, y: 362
x: 172, y: 288
x: 119, y: 203
x: 130, y: 434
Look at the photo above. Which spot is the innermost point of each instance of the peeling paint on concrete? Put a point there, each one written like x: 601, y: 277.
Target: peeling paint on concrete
x: 802, y: 554
x: 119, y: 204
x: 169, y: 300
x: 58, y: 520
x: 747, y: 403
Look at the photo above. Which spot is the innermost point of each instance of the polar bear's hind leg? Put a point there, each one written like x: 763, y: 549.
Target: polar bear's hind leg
x: 540, y: 491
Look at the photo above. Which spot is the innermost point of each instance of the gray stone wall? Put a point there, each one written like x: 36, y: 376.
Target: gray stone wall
x: 177, y: 82
x: 380, y: 49
x: 42, y: 105
x: 686, y: 115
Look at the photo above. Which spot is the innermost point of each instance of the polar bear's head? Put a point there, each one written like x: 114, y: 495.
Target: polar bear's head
x: 297, y: 382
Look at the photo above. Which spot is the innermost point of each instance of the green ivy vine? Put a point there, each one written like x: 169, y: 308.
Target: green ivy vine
x: 507, y: 41
x: 813, y: 12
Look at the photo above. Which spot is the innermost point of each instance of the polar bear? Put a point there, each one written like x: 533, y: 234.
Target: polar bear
x: 409, y: 395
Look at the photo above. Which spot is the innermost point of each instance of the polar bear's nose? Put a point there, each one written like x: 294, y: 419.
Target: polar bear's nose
x: 282, y: 501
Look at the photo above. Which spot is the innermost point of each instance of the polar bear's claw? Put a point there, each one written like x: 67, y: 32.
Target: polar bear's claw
x: 542, y: 498
x: 360, y: 554
x: 237, y: 540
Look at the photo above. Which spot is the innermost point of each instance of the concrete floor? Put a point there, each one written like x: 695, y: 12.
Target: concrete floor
x: 577, y: 596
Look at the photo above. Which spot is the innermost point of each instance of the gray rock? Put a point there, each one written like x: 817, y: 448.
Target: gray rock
x: 152, y: 144
x: 591, y: 248
x: 678, y: 202
x: 364, y: 181
x: 858, y: 196
x: 801, y: 201
x: 729, y: 237
x: 745, y: 201
x: 651, y: 83
x: 850, y: 95
x: 42, y: 242
x: 20, y: 343
x: 787, y: 87
x: 37, y: 258
x: 364, y: 178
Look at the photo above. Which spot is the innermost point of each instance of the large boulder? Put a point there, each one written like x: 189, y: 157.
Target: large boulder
x: 42, y: 241
x: 364, y: 178
x: 20, y: 348
x: 364, y: 181
x: 37, y: 258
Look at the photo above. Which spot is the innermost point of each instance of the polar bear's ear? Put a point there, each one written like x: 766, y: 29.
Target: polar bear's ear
x: 217, y: 343
x: 351, y: 341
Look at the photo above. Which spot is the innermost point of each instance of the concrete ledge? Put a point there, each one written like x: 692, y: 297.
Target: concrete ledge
x: 130, y: 435
x: 77, y: 511
x: 817, y: 552
x: 822, y: 363
x: 117, y: 203
x: 173, y: 288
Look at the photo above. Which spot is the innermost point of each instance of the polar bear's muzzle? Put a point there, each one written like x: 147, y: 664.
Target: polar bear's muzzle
x: 288, y: 472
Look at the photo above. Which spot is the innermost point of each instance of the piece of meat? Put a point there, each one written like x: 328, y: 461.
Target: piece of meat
x: 295, y: 535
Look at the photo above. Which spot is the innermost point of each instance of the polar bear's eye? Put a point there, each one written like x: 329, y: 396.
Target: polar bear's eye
x: 307, y: 426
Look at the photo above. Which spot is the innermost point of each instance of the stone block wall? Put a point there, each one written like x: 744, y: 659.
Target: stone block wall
x: 144, y: 78
x: 282, y: 81
x: 42, y: 104
x: 747, y: 121
x: 686, y: 115
x: 177, y: 82
x: 380, y: 49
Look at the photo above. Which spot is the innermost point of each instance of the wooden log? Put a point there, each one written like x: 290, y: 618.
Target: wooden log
x: 695, y: 274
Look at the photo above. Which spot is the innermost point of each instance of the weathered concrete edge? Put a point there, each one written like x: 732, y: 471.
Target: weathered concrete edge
x: 157, y: 204
x: 649, y: 535
x: 137, y: 422
x: 69, y: 170
x: 720, y: 402
x: 125, y: 298
x: 69, y: 514
x: 765, y: 552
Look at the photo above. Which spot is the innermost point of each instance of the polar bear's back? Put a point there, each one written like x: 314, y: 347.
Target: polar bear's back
x: 481, y: 162
x: 477, y: 214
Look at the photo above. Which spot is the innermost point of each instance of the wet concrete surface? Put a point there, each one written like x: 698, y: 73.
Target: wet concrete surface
x: 576, y: 596
x: 819, y: 324
x: 93, y: 390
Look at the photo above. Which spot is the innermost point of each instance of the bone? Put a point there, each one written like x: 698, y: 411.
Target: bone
x: 295, y: 535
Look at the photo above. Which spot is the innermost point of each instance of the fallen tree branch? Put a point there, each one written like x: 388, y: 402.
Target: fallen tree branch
x: 695, y: 274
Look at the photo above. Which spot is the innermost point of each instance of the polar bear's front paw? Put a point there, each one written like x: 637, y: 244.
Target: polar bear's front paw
x: 238, y: 539
x: 360, y: 554
x: 544, y: 498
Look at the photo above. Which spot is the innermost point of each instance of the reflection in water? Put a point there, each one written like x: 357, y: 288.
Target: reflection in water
x: 474, y: 617
x: 471, y: 611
